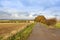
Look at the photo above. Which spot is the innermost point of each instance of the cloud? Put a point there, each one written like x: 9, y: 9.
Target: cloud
x: 29, y: 8
x: 4, y: 15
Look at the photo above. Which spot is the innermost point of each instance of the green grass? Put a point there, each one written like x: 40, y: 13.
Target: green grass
x: 57, y: 25
x: 22, y: 35
x: 1, y: 37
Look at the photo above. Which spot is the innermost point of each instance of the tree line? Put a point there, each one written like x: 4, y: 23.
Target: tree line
x: 43, y: 20
x: 14, y: 21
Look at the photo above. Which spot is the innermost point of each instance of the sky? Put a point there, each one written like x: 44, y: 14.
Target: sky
x: 29, y: 9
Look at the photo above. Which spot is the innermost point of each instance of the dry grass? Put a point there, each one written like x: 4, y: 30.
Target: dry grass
x: 7, y: 28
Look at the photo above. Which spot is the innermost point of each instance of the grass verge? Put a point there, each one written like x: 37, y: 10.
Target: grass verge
x: 22, y: 35
x: 57, y: 25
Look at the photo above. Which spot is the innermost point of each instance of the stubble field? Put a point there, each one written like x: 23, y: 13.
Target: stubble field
x: 11, y: 28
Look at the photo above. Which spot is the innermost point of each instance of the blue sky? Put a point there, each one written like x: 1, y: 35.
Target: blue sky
x: 28, y: 9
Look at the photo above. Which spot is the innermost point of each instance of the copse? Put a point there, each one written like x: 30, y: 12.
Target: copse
x: 40, y: 19
x: 51, y: 21
x: 43, y: 20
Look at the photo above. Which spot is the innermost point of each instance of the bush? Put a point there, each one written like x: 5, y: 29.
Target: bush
x: 51, y: 21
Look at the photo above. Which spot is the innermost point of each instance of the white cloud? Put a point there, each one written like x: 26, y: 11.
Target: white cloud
x: 47, y: 8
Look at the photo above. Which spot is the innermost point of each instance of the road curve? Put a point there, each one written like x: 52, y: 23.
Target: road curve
x: 40, y: 32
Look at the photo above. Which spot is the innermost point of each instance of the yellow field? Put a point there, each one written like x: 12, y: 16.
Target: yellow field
x: 11, y: 28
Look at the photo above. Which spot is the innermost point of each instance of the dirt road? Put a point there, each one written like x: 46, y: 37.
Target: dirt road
x: 40, y: 32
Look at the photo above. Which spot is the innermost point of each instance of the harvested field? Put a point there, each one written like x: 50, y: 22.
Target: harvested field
x: 11, y: 28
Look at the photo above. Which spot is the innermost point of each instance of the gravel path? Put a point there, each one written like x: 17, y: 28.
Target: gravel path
x: 40, y: 32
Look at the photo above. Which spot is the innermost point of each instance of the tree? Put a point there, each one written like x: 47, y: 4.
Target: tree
x: 40, y: 19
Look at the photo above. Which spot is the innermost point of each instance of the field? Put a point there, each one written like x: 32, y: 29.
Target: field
x: 23, y: 34
x: 8, y: 29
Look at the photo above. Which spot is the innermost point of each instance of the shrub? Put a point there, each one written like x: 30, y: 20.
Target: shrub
x: 51, y: 21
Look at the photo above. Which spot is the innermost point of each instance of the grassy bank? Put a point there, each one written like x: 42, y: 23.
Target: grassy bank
x: 22, y: 35
x: 57, y: 25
